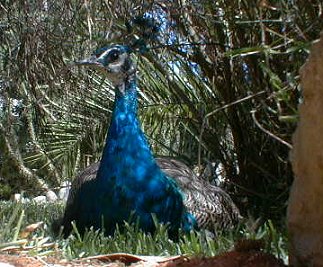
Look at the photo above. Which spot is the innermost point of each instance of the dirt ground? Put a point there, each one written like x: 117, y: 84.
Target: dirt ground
x: 236, y: 258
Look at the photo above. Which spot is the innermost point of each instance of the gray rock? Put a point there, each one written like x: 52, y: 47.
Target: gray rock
x: 40, y: 199
x: 51, y: 196
x: 19, y: 198
x: 64, y: 191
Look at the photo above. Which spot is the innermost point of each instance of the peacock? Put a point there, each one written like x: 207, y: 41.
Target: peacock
x: 129, y: 183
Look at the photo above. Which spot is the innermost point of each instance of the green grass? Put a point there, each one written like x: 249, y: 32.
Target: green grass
x: 14, y: 217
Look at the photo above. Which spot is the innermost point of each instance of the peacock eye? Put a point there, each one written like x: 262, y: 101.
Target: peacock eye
x: 114, y: 55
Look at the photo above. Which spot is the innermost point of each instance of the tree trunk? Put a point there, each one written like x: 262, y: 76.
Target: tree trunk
x: 305, y: 210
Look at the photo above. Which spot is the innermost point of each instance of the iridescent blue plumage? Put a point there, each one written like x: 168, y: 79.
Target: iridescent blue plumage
x: 128, y: 183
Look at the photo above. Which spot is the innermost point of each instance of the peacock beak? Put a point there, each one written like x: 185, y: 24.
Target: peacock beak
x: 91, y: 61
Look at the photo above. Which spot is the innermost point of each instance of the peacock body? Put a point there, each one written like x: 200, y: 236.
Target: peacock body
x: 129, y: 182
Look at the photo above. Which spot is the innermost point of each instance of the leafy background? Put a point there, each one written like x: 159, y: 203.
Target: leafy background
x: 219, y: 89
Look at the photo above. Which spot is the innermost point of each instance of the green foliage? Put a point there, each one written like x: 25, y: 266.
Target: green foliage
x: 5, y: 191
x: 14, y: 217
x: 134, y: 241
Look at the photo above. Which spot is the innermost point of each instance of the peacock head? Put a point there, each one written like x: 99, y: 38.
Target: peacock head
x: 114, y: 61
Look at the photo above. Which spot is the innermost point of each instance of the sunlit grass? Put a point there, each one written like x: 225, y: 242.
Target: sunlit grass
x: 14, y: 217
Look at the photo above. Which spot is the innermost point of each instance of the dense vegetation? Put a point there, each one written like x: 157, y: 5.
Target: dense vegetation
x: 219, y: 87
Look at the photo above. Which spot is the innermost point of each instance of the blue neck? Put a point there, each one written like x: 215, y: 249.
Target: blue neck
x: 129, y: 178
x: 126, y: 148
